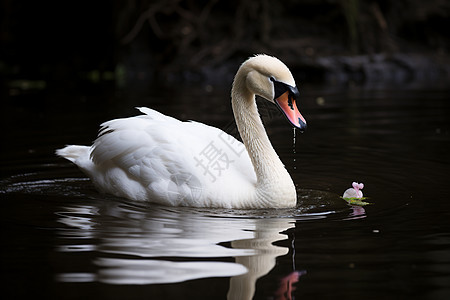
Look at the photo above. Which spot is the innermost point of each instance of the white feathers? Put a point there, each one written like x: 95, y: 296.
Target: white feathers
x: 161, y: 159
x: 73, y: 152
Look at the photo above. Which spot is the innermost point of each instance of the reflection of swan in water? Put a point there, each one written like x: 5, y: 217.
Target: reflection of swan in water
x: 133, y: 245
x: 266, y: 232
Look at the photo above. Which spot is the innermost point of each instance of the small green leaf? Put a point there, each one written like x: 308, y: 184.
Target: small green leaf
x: 357, y: 201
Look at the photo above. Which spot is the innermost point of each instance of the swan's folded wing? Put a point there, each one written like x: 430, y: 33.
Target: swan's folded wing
x: 159, y: 152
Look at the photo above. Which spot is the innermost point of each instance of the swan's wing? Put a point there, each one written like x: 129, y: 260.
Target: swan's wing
x: 167, y: 155
x: 129, y: 135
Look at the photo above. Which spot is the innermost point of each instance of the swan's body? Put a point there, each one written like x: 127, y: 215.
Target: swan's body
x: 160, y: 159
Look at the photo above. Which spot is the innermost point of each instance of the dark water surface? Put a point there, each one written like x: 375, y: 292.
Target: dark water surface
x: 63, y: 240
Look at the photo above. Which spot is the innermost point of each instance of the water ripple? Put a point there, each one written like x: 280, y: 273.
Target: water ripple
x: 142, y: 243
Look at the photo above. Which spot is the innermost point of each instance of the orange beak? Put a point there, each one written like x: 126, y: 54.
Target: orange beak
x: 286, y: 103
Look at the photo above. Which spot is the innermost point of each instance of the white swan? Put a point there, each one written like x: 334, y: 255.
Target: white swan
x: 160, y: 159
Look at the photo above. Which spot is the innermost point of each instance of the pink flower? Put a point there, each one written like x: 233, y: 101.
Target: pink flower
x: 354, y: 192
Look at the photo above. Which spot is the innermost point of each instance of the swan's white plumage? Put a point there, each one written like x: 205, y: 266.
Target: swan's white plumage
x: 161, y: 159
x: 153, y: 156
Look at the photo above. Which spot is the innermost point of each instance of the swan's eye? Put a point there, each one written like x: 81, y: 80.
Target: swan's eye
x: 272, y: 79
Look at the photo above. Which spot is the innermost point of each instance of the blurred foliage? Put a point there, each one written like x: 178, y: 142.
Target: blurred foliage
x: 60, y: 40
x: 203, y: 32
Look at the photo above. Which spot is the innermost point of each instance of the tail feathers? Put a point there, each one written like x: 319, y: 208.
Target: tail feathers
x: 74, y: 153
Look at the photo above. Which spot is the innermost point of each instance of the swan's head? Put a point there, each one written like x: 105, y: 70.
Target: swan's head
x: 268, y: 77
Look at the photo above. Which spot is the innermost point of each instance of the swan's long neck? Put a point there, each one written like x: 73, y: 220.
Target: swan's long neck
x: 274, y: 183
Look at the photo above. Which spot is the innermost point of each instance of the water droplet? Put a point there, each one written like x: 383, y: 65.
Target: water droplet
x: 293, y: 150
x: 293, y: 142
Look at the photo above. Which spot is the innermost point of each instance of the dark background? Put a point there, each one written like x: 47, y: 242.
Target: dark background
x: 69, y: 44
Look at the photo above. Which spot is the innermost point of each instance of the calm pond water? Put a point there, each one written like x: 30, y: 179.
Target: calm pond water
x: 63, y: 240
